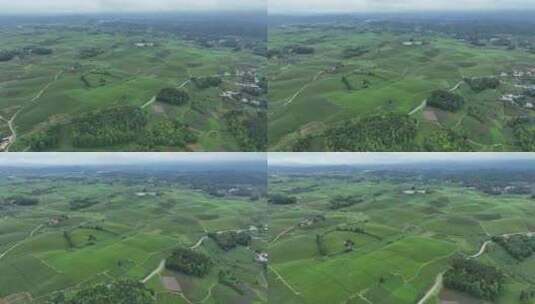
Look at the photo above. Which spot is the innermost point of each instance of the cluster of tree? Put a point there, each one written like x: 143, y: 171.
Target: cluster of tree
x: 357, y: 229
x: 519, y: 246
x: 89, y: 52
x: 281, y: 199
x: 68, y: 239
x: 189, y: 262
x: 382, y: 132
x: 37, y: 50
x: 82, y: 203
x: 249, y: 129
x: 527, y: 296
x: 477, y: 279
x: 231, y: 239
x: 446, y: 140
x: 445, y: 100
x: 303, y: 50
x: 167, y: 133
x: 6, y: 55
x: 227, y: 278
x: 524, y: 133
x: 483, y: 83
x: 44, y: 140
x: 347, y: 84
x: 117, y: 292
x: 354, y: 52
x: 320, y: 244
x: 343, y: 201
x: 108, y: 127
x: 172, y: 96
x: 20, y: 200
x: 206, y: 82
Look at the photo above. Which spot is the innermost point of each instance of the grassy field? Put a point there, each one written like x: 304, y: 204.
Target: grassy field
x: 308, y: 94
x: 39, y: 91
x: 403, y: 241
x: 125, y: 234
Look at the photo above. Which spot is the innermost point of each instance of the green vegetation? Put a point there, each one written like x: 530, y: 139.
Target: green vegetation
x: 520, y: 247
x: 119, y: 292
x: 472, y: 277
x: 231, y: 239
x: 189, y: 262
x: 340, y: 201
x: 483, y: 83
x: 206, y: 82
x: 384, y: 132
x: 281, y: 199
x: 445, y: 100
x: 23, y: 200
x: 132, y: 234
x: 177, y: 73
x: 459, y: 82
x: 392, y: 233
x: 172, y: 96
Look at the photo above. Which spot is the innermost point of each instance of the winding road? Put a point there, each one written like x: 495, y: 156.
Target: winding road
x: 481, y: 251
x: 438, y: 281
x: 21, y: 241
x: 434, y: 289
x: 10, y: 122
x: 424, y: 103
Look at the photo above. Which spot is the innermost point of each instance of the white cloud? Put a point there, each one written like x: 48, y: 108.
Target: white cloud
x: 96, y: 6
x: 345, y: 6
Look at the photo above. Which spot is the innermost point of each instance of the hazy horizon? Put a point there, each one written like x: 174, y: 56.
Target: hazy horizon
x: 390, y: 158
x: 301, y: 7
x: 45, y: 7
x: 124, y: 158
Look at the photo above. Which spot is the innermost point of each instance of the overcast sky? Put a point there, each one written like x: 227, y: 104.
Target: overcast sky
x: 346, y: 6
x: 98, y: 6
x: 387, y: 158
x: 26, y: 159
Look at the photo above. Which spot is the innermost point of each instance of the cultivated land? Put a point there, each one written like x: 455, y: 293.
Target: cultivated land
x: 392, y: 235
x: 66, y: 67
x: 323, y: 73
x: 89, y: 228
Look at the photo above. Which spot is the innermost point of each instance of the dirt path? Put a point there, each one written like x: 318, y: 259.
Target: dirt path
x: 482, y: 250
x: 199, y: 243
x: 184, y: 83
x: 209, y: 294
x: 293, y: 97
x: 282, y: 234
x: 279, y: 277
x: 433, y: 290
x: 11, y: 121
x: 148, y: 103
x: 424, y: 102
x: 21, y: 241
x: 418, y: 108
x: 156, y: 271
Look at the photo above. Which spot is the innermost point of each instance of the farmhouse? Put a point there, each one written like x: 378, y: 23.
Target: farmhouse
x: 415, y: 191
x: 262, y: 257
x: 144, y: 44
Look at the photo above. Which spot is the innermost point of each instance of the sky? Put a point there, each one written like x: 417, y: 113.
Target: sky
x: 388, y: 158
x: 346, y: 6
x: 74, y: 159
x: 102, y: 6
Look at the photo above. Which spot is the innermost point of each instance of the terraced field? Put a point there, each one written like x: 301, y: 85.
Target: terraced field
x: 393, y: 240
x: 353, y: 69
x: 95, y: 228
x: 113, y: 63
